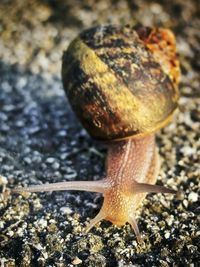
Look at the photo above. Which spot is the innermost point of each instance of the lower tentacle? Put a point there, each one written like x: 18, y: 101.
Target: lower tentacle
x: 134, y: 225
x: 99, y: 217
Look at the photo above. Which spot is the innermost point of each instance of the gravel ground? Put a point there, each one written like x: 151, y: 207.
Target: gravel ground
x: 42, y: 141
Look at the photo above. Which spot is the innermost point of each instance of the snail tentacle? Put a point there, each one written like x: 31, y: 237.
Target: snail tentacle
x: 152, y: 188
x: 90, y: 186
x: 99, y: 217
x: 134, y: 225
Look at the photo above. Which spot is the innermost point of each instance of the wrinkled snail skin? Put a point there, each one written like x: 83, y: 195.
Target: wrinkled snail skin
x: 122, y: 83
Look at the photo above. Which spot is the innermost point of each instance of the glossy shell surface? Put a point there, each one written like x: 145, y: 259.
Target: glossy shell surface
x: 115, y: 85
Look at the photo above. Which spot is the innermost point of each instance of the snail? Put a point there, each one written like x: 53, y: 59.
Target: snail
x: 122, y: 83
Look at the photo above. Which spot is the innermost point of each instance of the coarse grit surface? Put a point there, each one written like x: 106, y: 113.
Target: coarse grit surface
x: 41, y: 141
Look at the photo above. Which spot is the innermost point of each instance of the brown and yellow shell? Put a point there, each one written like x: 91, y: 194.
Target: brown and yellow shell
x: 116, y: 83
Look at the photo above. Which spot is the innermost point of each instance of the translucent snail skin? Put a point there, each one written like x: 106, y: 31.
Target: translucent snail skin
x: 122, y: 83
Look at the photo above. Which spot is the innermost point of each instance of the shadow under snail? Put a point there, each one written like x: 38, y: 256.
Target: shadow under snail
x: 122, y: 83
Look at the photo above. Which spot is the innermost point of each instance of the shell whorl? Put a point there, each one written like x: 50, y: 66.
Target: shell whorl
x: 115, y: 85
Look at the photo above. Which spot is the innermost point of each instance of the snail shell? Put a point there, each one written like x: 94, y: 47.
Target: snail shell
x: 115, y: 85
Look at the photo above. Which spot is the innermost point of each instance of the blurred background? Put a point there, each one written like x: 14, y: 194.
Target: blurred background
x: 35, y: 33
x: 42, y: 141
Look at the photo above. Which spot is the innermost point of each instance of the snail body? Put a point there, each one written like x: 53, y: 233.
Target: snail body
x: 122, y: 83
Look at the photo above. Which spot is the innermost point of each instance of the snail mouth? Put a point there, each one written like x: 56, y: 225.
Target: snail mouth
x: 132, y: 221
x: 119, y: 220
x: 118, y: 223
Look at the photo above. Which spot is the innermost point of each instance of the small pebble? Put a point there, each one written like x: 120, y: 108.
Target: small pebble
x: 76, y: 261
x: 167, y: 235
x: 3, y: 180
x: 50, y: 160
x: 193, y: 197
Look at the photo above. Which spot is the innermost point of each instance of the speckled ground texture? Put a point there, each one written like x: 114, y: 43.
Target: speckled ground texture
x: 41, y: 141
